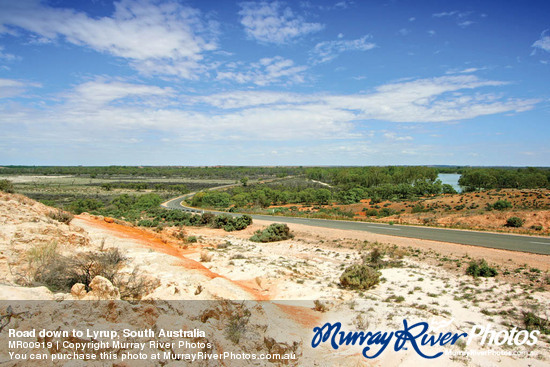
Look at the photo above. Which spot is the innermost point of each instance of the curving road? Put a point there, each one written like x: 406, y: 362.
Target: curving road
x: 536, y: 245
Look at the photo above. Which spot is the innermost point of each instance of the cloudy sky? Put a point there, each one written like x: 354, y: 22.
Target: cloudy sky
x: 274, y: 83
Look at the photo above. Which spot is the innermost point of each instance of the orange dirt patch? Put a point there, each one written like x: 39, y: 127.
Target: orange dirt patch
x: 154, y: 241
x: 305, y: 316
x: 466, y: 210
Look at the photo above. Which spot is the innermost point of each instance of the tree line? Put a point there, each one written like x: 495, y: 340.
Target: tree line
x: 501, y: 178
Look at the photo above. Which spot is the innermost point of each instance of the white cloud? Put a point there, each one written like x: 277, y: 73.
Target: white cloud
x: 445, y: 14
x: 404, y: 31
x: 393, y: 136
x: 247, y: 99
x: 164, y: 38
x: 459, y: 16
x: 274, y: 23
x: 99, y: 93
x: 275, y: 70
x: 329, y: 50
x: 343, y: 4
x: 429, y: 100
x: 463, y: 71
x: 101, y: 109
x: 543, y: 42
x: 12, y: 88
x: 6, y: 56
x: 466, y: 23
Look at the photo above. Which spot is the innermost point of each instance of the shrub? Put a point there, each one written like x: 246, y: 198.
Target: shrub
x: 374, y: 258
x: 480, y: 269
x: 224, y: 245
x: 6, y: 186
x: 83, y: 268
x: 502, y: 204
x: 61, y: 216
x: 447, y: 189
x: 371, y: 213
x: 85, y: 205
x: 229, y: 223
x: 386, y: 212
x: 320, y: 306
x: 148, y: 223
x: 536, y: 227
x: 360, y: 277
x: 237, y: 323
x: 221, y: 220
x: 418, y: 208
x: 534, y: 322
x: 59, y: 273
x: 206, y: 256
x: 207, y: 219
x: 275, y: 232
x: 135, y: 285
x: 514, y: 222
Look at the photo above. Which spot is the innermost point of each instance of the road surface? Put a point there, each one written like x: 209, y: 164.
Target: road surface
x: 536, y: 245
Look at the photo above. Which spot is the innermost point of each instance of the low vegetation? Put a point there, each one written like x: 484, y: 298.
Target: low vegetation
x: 7, y: 186
x: 47, y: 266
x: 514, y: 222
x: 238, y: 322
x: 480, y: 269
x: 274, y: 232
x: 534, y: 322
x: 352, y: 193
x: 501, y: 205
x: 360, y: 276
x: 61, y: 216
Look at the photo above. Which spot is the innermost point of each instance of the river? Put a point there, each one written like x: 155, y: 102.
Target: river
x: 451, y: 179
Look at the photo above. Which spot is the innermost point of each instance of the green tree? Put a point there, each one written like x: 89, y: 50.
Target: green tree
x: 323, y: 196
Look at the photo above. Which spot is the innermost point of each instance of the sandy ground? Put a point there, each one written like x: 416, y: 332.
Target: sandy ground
x: 307, y: 268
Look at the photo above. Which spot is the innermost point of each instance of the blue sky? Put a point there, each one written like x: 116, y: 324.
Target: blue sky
x: 274, y: 83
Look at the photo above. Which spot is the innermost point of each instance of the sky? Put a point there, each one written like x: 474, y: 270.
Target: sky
x: 145, y: 82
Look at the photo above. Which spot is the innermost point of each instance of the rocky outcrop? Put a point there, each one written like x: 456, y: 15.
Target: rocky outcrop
x: 101, y: 289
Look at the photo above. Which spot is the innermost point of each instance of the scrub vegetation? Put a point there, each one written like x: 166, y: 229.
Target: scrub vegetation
x: 392, y: 194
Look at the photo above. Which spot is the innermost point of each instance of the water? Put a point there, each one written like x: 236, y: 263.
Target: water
x: 451, y: 179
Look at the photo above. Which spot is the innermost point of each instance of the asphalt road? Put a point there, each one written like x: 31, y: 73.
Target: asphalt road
x: 537, y: 245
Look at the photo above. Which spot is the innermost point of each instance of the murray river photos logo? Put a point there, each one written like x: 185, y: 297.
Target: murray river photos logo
x: 418, y: 337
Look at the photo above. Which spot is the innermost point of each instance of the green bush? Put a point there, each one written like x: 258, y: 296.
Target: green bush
x: 534, y: 322
x: 371, y: 213
x: 502, y: 204
x: 221, y: 221
x: 6, y: 186
x: 418, y: 208
x: 275, y: 232
x: 229, y: 223
x: 480, y: 269
x: 514, y: 222
x: 386, y: 212
x: 447, y: 189
x: 148, y: 223
x: 360, y: 277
